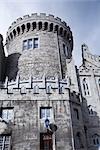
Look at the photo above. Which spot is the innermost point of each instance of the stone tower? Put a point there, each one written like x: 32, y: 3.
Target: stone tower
x: 42, y: 103
x: 44, y: 43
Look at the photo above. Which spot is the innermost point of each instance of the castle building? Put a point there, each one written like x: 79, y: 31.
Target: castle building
x: 46, y: 102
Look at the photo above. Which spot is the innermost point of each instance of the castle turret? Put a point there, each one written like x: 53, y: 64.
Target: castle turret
x: 44, y: 43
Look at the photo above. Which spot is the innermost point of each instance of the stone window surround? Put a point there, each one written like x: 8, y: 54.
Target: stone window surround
x: 47, y: 110
x: 7, y: 114
x: 5, y: 141
x: 34, y: 43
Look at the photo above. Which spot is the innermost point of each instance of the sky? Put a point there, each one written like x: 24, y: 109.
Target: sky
x: 83, y: 17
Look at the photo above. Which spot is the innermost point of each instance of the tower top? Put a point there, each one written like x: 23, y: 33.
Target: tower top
x: 36, y: 22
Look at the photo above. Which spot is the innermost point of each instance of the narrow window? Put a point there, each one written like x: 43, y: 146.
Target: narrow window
x: 30, y: 43
x: 5, y: 142
x: 25, y: 45
x: 51, y: 27
x: 76, y: 113
x: 78, y: 141
x: 85, y: 87
x: 35, y: 42
x: 99, y: 83
x: 96, y: 139
x: 28, y: 26
x: 40, y: 25
x: 7, y: 114
x: 34, y: 25
x: 65, y: 50
x: 45, y: 112
x: 46, y: 26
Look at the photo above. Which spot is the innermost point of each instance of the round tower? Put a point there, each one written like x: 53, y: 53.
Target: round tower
x: 43, y: 42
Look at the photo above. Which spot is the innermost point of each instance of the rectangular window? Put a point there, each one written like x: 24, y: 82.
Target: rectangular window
x: 25, y: 45
x: 35, y: 42
x: 46, y: 141
x: 5, y: 142
x: 45, y: 112
x: 30, y: 43
x: 65, y: 50
x: 76, y: 113
x: 8, y: 114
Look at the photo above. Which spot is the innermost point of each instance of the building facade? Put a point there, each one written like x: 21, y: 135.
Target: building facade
x: 46, y: 103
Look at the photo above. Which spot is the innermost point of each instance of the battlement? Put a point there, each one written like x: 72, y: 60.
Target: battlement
x: 39, y: 22
x: 50, y: 85
x: 35, y: 16
x: 90, y: 58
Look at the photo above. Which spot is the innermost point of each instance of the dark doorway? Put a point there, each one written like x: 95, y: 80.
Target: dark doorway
x: 46, y: 141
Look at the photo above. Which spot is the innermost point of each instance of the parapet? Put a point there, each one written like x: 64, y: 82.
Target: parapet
x: 89, y: 59
x: 39, y: 22
x: 35, y: 85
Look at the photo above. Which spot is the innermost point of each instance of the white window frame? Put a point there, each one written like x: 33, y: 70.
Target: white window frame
x: 4, y: 143
x: 5, y: 114
x: 33, y: 43
x: 45, y: 112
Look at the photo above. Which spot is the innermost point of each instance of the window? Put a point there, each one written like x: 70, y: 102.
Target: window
x: 30, y: 44
x: 99, y: 83
x: 78, y: 141
x: 7, y: 114
x: 46, y: 141
x: 25, y: 45
x: 85, y: 87
x: 65, y: 50
x: 76, y: 113
x: 96, y: 139
x: 45, y: 112
x: 5, y: 142
x: 35, y: 42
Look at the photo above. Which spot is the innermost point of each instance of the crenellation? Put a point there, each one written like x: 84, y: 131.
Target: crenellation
x: 37, y: 17
x: 60, y: 85
x: 26, y: 17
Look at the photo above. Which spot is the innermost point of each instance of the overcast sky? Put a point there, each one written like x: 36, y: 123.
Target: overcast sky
x: 83, y: 16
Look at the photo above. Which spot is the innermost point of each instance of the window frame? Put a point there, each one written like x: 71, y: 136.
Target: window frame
x: 76, y: 113
x: 34, y: 44
x: 7, y: 118
x: 65, y: 50
x: 4, y: 141
x: 45, y: 112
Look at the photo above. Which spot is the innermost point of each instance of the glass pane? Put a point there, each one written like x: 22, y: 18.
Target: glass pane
x: 7, y: 114
x: 47, y: 113
x: 42, y: 113
x: 25, y: 45
x: 65, y: 49
x: 35, y: 42
x: 4, y: 114
x: 30, y: 43
x: 10, y: 114
x: 7, y: 138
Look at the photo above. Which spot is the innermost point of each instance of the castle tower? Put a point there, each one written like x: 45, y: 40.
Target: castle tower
x: 44, y: 43
x: 40, y: 103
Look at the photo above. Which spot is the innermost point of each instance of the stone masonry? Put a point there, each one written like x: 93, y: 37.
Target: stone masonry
x: 46, y: 103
